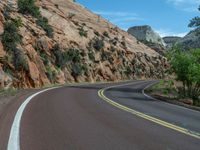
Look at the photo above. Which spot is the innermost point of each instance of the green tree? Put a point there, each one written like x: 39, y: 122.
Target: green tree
x: 186, y: 66
x: 195, y: 22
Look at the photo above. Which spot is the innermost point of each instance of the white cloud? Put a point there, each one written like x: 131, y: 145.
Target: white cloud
x: 164, y: 32
x: 185, y: 5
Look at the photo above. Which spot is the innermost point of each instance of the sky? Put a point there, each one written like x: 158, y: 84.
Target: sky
x: 167, y: 17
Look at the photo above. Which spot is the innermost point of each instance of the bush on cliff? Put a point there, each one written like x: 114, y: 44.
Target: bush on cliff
x: 10, y: 37
x: 28, y: 7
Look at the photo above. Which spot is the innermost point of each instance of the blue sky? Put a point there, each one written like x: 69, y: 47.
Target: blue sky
x: 167, y: 17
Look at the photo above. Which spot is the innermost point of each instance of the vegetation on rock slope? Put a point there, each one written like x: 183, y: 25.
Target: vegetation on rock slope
x: 81, y: 47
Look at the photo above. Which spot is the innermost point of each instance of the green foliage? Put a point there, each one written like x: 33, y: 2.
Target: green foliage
x: 10, y: 37
x: 6, y: 12
x: 51, y: 74
x: 19, y: 60
x: 105, y: 33
x: 28, y: 7
x: 96, y: 33
x: 71, y: 57
x: 45, y: 58
x: 60, y: 62
x: 18, y: 22
x: 98, y: 44
x: 91, y: 56
x: 114, y: 41
x: 43, y: 23
x: 123, y: 43
x: 195, y: 22
x: 128, y: 71
x: 77, y: 69
x: 186, y: 66
x: 71, y: 15
x: 82, y: 32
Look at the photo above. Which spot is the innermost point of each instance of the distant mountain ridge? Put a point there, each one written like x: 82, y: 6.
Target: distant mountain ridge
x: 148, y: 36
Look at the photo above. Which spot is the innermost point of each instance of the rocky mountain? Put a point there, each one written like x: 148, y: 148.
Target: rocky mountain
x: 171, y: 40
x: 64, y: 42
x: 191, y: 40
x: 148, y: 36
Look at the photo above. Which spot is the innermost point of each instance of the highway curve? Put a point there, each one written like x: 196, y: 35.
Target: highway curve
x: 78, y: 118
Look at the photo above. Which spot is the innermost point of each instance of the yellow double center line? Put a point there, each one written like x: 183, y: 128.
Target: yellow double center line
x: 147, y: 117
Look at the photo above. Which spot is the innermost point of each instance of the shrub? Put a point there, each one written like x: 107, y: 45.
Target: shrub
x: 98, y: 44
x: 123, y: 43
x: 82, y: 32
x: 45, y: 58
x: 43, y: 23
x: 76, y: 69
x: 113, y: 41
x: 51, y: 74
x: 6, y: 12
x: 10, y: 37
x: 91, y: 55
x: 60, y: 62
x: 105, y: 33
x: 128, y: 71
x: 73, y: 55
x: 28, y: 7
x: 96, y: 33
x: 18, y: 22
x: 71, y: 15
x: 19, y: 60
x: 112, y: 48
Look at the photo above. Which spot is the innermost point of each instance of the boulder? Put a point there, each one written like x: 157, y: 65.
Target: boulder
x: 5, y: 79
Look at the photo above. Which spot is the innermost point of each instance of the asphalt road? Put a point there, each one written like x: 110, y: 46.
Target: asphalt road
x: 76, y: 118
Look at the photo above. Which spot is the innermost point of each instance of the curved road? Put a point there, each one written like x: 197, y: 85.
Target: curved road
x: 76, y: 118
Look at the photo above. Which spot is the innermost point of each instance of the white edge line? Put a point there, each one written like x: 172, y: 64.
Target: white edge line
x: 14, y: 138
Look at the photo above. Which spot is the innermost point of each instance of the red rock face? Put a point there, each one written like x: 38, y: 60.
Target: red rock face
x: 2, y: 52
x: 1, y: 23
x: 75, y: 28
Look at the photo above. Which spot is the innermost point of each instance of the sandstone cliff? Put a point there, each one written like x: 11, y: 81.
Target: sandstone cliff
x: 82, y: 47
x: 148, y: 36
